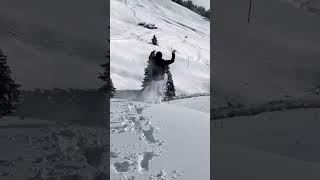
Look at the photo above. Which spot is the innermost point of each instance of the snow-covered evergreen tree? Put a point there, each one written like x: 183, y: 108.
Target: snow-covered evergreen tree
x: 170, y: 89
x: 112, y: 88
x: 105, y: 77
x: 9, y: 89
x: 148, y: 72
x: 155, y: 40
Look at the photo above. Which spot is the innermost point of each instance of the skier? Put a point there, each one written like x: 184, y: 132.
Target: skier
x: 156, y: 77
x: 158, y: 65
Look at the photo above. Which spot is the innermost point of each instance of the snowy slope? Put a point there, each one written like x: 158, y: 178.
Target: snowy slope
x: 159, y: 141
x: 274, y: 57
x: 54, y: 44
x: 45, y: 149
x: 277, y: 145
x: 130, y: 43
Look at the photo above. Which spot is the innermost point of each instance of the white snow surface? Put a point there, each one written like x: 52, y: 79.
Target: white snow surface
x: 159, y: 141
x: 201, y: 103
x: 178, y: 28
x: 273, y: 145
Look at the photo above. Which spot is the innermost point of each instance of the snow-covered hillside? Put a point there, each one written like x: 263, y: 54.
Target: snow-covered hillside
x: 276, y: 145
x: 276, y: 56
x: 178, y: 28
x: 54, y: 44
x: 160, y: 141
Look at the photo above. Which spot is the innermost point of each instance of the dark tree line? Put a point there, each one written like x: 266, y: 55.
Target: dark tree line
x: 195, y: 8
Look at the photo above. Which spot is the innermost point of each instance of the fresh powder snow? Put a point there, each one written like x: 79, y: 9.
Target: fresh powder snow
x: 160, y: 141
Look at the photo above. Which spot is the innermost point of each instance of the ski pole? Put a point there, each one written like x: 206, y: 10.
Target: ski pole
x: 249, y: 11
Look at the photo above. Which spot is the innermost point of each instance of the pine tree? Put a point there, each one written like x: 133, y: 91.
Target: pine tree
x: 112, y: 88
x: 105, y: 77
x: 170, y: 89
x: 108, y: 86
x: 148, y: 73
x: 155, y: 40
x: 189, y: 4
x: 9, y: 89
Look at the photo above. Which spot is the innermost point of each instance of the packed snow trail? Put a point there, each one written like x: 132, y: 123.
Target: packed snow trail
x: 159, y: 141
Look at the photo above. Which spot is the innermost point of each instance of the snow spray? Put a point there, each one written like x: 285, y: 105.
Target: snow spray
x: 154, y: 93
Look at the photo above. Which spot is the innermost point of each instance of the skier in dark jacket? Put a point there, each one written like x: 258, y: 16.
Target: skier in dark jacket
x: 158, y: 65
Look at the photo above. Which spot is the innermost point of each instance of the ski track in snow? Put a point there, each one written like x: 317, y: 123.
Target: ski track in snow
x: 128, y: 160
x: 128, y: 34
x: 133, y: 11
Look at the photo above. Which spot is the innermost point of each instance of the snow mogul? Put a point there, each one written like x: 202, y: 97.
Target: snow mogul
x: 156, y: 77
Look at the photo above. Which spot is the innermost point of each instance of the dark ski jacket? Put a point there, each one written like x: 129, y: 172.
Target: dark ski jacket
x: 158, y: 65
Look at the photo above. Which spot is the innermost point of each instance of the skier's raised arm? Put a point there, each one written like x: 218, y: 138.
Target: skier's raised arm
x: 172, y: 58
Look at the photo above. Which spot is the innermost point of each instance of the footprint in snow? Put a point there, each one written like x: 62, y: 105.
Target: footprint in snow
x: 147, y: 156
x: 122, y: 167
